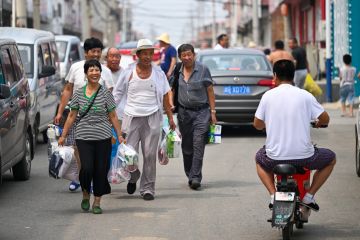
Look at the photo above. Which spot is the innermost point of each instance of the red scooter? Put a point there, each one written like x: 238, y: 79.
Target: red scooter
x: 291, y: 185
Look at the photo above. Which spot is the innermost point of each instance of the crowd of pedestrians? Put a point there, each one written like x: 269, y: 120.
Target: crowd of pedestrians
x: 134, y: 100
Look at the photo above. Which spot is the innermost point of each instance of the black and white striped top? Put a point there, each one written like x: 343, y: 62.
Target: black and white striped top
x: 95, y: 124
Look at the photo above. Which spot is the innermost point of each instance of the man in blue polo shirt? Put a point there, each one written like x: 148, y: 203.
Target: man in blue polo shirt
x: 168, y: 55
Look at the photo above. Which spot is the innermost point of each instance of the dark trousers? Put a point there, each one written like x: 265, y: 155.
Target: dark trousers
x: 194, y: 128
x: 95, y: 158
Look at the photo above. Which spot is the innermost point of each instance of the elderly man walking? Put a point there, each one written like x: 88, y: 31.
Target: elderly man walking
x: 196, y: 102
x: 113, y: 58
x: 144, y: 89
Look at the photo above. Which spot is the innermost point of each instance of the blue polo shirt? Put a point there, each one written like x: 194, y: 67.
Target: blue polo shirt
x: 166, y: 56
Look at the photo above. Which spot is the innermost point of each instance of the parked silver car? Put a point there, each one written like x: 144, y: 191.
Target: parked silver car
x: 241, y: 77
x: 39, y: 55
x: 70, y: 51
x: 16, y: 138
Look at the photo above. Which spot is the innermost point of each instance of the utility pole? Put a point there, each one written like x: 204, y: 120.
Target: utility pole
x: 213, y: 26
x: 36, y: 14
x: 328, y: 51
x: 1, y: 21
x: 255, y: 21
x: 13, y: 13
x: 85, y: 19
x: 124, y: 21
x: 21, y: 17
x: 234, y: 22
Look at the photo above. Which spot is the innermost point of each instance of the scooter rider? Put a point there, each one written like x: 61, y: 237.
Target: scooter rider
x: 286, y: 112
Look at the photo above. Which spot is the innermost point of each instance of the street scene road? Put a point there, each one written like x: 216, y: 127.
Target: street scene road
x: 232, y: 203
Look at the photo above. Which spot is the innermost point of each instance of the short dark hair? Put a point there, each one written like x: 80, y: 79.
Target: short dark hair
x: 91, y: 43
x: 91, y: 63
x: 294, y: 39
x: 279, y: 44
x: 284, y: 70
x: 267, y: 51
x: 185, y: 47
x: 220, y: 37
x: 347, y: 59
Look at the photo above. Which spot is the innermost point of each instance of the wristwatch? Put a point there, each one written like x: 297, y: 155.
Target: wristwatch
x: 213, y: 111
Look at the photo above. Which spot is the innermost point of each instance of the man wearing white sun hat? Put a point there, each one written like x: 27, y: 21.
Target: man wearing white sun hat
x: 141, y: 94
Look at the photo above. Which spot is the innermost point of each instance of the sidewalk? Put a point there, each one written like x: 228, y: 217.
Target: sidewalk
x: 334, y: 110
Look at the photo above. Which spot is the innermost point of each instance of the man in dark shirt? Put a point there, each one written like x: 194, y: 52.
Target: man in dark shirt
x: 301, y: 63
x: 196, y: 110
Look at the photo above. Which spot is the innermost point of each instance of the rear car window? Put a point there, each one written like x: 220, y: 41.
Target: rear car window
x: 235, y: 62
x: 61, y: 47
x: 27, y: 58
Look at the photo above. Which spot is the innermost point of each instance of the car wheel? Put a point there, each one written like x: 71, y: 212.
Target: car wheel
x: 21, y: 171
x: 357, y: 152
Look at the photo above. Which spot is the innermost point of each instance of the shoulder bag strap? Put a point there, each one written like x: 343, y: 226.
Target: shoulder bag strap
x: 90, y: 105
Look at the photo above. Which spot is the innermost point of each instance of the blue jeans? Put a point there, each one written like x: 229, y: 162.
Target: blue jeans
x: 347, y: 92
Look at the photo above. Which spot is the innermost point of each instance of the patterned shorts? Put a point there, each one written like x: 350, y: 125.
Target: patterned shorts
x: 322, y: 157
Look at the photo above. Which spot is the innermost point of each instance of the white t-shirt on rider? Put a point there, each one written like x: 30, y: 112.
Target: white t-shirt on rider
x: 76, y: 76
x: 287, y: 112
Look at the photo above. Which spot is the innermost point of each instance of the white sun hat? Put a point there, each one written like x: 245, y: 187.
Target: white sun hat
x: 142, y: 45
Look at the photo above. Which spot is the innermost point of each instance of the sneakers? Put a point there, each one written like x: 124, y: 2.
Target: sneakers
x: 195, y: 184
x: 313, y: 205
x: 73, y: 186
x: 148, y: 197
x: 131, y: 188
x: 309, y: 201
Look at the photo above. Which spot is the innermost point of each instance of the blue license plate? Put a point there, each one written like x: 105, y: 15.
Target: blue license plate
x: 237, y: 90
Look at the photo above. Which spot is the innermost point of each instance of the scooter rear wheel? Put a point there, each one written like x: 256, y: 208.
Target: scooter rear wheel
x: 287, y: 231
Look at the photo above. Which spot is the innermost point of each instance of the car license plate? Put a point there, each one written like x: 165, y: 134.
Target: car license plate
x: 237, y: 90
x: 285, y: 196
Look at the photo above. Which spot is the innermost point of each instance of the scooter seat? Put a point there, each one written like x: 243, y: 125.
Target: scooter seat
x: 285, y: 169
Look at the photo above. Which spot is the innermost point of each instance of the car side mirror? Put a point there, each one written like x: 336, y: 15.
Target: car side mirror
x: 4, y: 91
x: 47, y: 71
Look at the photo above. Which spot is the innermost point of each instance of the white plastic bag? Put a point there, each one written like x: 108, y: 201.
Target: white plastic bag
x: 162, y: 154
x: 117, y: 173
x: 128, y: 156
x: 67, y: 154
x: 72, y: 173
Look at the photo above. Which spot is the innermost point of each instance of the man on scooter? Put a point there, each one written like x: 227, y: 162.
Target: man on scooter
x: 286, y: 112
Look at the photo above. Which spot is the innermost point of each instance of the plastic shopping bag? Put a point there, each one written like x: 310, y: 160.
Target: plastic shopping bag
x: 128, y: 156
x: 67, y: 154
x: 118, y: 173
x: 72, y: 172
x: 162, y: 154
x: 311, y: 86
x: 55, y: 163
x: 215, y: 133
x: 173, y: 144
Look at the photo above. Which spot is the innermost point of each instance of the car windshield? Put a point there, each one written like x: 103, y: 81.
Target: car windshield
x: 61, y: 47
x: 235, y: 62
x: 27, y: 58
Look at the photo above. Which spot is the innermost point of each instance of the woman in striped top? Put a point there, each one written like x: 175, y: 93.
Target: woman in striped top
x: 93, y: 134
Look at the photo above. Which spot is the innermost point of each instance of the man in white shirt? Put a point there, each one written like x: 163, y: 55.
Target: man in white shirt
x: 113, y: 59
x: 286, y: 112
x: 144, y: 90
x: 76, y: 79
x: 222, y: 42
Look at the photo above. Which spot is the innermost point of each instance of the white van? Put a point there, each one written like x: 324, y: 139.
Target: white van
x: 70, y: 51
x: 39, y: 55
